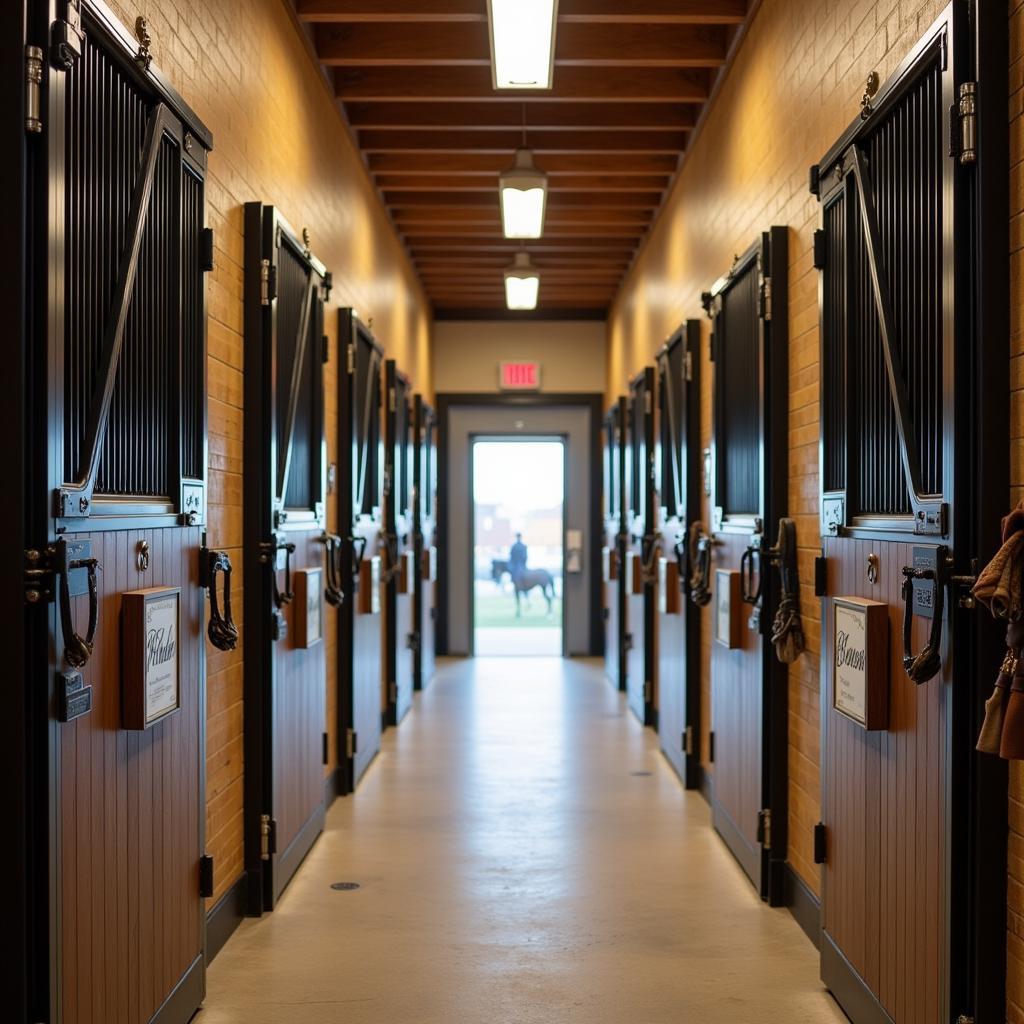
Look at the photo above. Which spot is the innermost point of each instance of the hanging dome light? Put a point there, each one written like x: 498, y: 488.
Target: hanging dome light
x: 524, y: 194
x: 522, y: 283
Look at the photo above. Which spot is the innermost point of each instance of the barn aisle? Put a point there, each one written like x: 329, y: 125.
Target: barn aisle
x: 524, y: 854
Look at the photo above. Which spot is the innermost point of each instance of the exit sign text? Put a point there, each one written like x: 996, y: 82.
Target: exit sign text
x: 519, y: 376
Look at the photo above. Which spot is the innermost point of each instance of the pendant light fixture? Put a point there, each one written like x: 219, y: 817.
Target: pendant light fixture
x: 522, y: 283
x: 523, y: 191
x: 522, y: 43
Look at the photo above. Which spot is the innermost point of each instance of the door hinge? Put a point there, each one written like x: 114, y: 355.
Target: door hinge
x: 393, y: 692
x: 206, y: 250
x: 33, y: 86
x: 819, y: 249
x: 764, y: 828
x: 268, y: 837
x: 967, y: 114
x: 350, y: 357
x: 688, y: 741
x: 40, y: 577
x: 325, y: 355
x: 821, y: 576
x: 648, y: 692
x: 766, y: 298
x: 820, y: 847
x: 206, y: 876
x: 351, y: 743
x: 268, y: 283
x: 711, y: 747
x: 688, y: 366
x: 327, y: 757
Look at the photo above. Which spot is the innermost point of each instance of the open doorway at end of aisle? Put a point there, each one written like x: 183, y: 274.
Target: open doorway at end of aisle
x: 519, y: 539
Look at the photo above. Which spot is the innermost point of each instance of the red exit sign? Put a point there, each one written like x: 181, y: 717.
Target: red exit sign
x: 519, y: 376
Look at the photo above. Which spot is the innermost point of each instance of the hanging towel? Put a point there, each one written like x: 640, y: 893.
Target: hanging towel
x: 788, y: 628
x: 1000, y: 587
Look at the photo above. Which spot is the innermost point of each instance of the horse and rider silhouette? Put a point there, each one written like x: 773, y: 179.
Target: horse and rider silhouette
x: 523, y: 580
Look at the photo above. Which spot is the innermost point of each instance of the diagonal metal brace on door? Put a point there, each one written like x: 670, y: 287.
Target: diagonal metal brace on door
x: 929, y: 513
x: 295, y: 384
x: 75, y: 499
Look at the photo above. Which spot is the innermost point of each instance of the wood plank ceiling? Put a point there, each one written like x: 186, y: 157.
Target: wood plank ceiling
x: 631, y: 78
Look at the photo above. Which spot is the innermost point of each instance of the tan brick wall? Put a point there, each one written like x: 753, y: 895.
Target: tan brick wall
x: 795, y: 85
x: 243, y: 67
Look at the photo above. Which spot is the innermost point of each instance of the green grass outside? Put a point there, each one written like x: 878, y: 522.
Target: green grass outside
x: 499, y: 610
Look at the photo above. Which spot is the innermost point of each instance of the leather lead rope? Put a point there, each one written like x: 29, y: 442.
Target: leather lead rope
x: 787, y: 628
x: 925, y: 665
x: 78, y: 648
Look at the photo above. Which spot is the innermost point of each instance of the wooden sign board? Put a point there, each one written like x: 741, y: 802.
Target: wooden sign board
x: 860, y: 652
x: 150, y: 670
x: 308, y: 624
x: 669, y: 593
x: 728, y: 608
x: 369, y: 586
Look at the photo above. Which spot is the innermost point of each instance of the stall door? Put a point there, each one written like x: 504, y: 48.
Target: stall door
x: 118, y: 485
x: 360, y: 457
x: 399, y: 552
x: 897, y: 253
x: 641, y: 550
x: 424, y: 434
x: 612, y: 553
x: 678, y: 620
x: 748, y: 688
x: 285, y: 672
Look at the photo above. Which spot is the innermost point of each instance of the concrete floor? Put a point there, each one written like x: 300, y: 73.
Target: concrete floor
x: 516, y: 869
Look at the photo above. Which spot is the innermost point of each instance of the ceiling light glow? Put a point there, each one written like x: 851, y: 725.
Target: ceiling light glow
x: 522, y: 284
x: 524, y: 196
x: 522, y: 42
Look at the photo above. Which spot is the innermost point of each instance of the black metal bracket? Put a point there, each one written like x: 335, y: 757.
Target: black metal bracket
x: 820, y: 843
x: 333, y: 592
x: 206, y: 876
x: 821, y: 576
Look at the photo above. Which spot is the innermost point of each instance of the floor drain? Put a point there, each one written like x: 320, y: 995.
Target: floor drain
x: 641, y: 773
x: 345, y: 886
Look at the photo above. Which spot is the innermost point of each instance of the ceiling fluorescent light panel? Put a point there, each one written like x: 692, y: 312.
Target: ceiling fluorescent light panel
x: 522, y: 42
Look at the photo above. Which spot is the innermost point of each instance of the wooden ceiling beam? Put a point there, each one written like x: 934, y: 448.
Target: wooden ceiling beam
x: 556, y: 201
x: 491, y: 216
x: 462, y: 84
x: 506, y: 142
x: 578, y: 44
x: 538, y: 116
x: 606, y: 248
x: 664, y: 12
x: 469, y: 164
x: 489, y: 183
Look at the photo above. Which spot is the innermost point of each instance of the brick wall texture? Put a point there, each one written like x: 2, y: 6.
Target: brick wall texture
x: 243, y: 66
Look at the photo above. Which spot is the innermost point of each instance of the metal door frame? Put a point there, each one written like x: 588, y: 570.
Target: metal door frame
x: 977, y: 463
x: 351, y: 332
x: 38, y: 175
x: 266, y: 520
x: 768, y: 256
x: 690, y: 473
